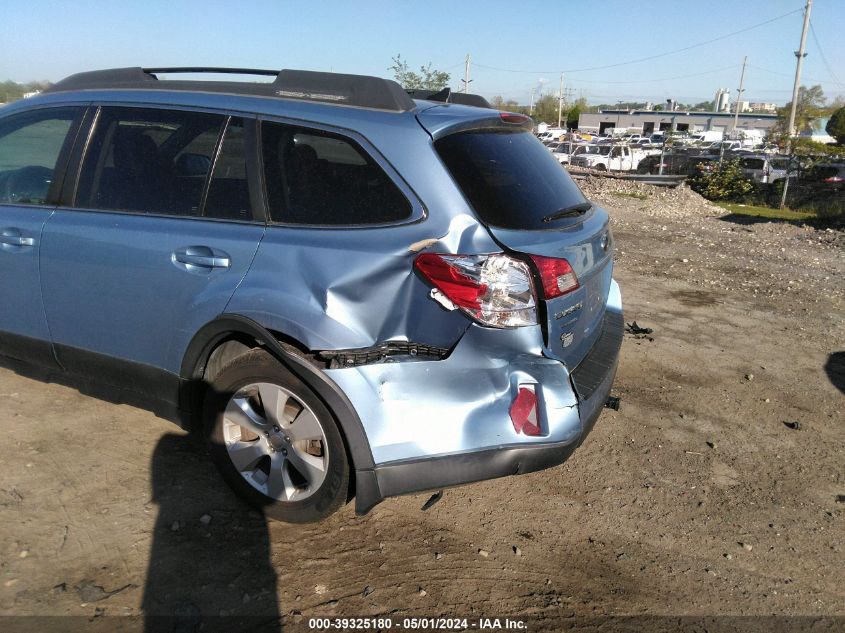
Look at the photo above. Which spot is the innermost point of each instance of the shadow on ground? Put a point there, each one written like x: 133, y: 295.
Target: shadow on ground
x: 209, y: 565
x: 835, y: 369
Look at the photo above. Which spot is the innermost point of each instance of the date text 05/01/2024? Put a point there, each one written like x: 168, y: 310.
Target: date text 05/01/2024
x: 417, y: 624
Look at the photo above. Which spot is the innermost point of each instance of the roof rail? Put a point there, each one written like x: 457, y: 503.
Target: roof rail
x: 337, y: 88
x: 447, y: 96
x: 212, y: 69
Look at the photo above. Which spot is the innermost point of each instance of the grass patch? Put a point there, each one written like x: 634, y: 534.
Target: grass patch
x: 633, y: 194
x: 765, y: 212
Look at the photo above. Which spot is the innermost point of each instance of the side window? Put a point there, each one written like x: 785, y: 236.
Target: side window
x: 228, y: 192
x: 30, y: 144
x: 316, y: 177
x: 149, y: 161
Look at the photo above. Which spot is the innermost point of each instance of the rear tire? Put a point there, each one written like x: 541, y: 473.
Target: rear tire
x: 274, y: 441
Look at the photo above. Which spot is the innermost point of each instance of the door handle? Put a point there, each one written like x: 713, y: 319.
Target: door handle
x: 202, y: 257
x: 13, y: 237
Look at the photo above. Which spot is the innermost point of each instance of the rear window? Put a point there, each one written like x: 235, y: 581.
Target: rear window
x: 511, y: 180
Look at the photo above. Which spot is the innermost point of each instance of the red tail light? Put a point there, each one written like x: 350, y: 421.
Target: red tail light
x: 460, y: 288
x: 556, y: 275
x: 496, y: 290
x: 512, y: 117
x: 833, y: 179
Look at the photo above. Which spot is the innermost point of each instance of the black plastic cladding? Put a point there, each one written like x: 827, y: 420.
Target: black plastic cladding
x: 341, y: 89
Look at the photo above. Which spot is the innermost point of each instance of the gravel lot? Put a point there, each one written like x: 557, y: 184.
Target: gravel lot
x: 697, y: 498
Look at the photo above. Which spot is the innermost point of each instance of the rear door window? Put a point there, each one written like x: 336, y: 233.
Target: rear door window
x: 509, y: 178
x: 149, y: 160
x: 319, y: 178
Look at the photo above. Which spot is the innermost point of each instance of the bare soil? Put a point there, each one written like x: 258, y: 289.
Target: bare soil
x: 695, y: 499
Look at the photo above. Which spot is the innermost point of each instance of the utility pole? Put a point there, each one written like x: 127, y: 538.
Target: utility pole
x: 560, y: 101
x: 466, y: 78
x: 800, y: 54
x: 531, y: 107
x: 739, y: 93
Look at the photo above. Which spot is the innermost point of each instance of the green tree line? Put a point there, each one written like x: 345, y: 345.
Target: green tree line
x: 12, y: 91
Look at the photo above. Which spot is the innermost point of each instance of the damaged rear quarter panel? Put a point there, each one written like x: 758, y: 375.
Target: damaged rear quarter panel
x: 355, y: 287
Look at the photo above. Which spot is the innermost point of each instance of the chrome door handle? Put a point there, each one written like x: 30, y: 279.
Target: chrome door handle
x: 13, y: 237
x: 202, y: 256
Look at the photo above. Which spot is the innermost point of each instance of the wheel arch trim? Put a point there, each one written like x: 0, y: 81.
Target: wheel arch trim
x: 203, y: 343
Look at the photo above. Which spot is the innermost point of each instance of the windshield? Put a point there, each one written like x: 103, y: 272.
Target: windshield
x: 603, y: 150
x: 511, y: 180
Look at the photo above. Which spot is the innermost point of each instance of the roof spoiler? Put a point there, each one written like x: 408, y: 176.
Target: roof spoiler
x: 447, y: 96
x: 341, y: 89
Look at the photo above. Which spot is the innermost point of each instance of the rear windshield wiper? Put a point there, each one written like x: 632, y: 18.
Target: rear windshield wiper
x: 568, y: 212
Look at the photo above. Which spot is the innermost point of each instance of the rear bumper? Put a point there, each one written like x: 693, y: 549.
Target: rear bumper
x: 428, y: 409
x: 407, y: 476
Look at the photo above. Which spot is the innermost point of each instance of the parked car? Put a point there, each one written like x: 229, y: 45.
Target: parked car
x: 345, y: 289
x: 724, y: 146
x: 552, y: 134
x: 676, y: 163
x: 564, y: 154
x: 612, y: 157
x: 826, y: 175
x: 673, y: 163
x: 766, y: 169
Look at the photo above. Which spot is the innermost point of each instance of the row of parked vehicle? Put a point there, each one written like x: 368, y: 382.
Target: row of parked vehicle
x: 688, y: 156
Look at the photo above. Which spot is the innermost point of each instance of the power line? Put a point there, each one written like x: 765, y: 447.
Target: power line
x: 594, y: 81
x: 775, y: 72
x: 650, y: 57
x: 821, y: 54
x: 685, y: 76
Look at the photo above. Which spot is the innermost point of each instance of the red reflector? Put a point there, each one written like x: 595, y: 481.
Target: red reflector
x: 524, y: 412
x: 462, y: 290
x: 511, y: 117
x: 556, y: 274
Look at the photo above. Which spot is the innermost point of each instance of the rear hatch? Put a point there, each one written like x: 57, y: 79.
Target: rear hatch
x: 531, y: 205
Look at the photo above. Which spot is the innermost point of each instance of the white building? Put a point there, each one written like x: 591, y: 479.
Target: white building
x: 650, y: 121
x: 759, y: 106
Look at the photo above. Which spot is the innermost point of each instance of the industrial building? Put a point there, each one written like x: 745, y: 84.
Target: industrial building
x: 650, y: 121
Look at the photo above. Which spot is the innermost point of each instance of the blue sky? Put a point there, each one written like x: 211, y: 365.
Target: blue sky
x: 538, y: 39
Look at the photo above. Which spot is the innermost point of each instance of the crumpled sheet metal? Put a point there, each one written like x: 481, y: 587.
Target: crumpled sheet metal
x: 333, y: 290
x: 462, y: 403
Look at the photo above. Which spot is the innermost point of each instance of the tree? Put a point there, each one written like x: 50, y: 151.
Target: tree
x: 810, y: 106
x: 703, y: 106
x: 574, y: 113
x: 11, y: 91
x: 725, y: 182
x: 545, y: 109
x: 427, y: 79
x: 836, y: 126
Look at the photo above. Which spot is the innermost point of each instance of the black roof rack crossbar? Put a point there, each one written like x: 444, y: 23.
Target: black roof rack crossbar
x: 351, y: 90
x: 212, y: 69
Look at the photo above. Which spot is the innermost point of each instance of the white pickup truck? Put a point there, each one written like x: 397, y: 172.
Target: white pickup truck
x: 609, y: 157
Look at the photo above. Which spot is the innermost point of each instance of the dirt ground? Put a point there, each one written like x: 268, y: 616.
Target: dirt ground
x: 695, y: 499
